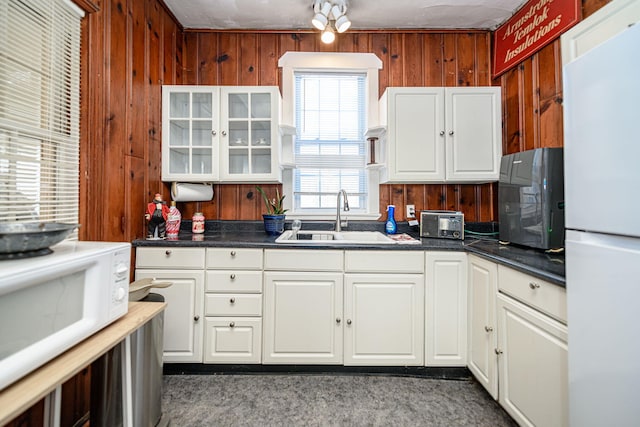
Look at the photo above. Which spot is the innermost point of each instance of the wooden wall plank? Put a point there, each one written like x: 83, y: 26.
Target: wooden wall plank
x: 412, y: 60
x: 116, y: 120
x: 433, y: 60
x: 136, y: 200
x: 450, y: 67
x: 137, y: 89
x: 207, y: 54
x: 380, y: 47
x: 229, y: 59
x: 249, y: 48
x: 190, y: 59
x: 154, y: 106
x: 396, y: 57
x: 169, y: 30
x: 528, y: 102
x: 466, y: 60
x: 511, y: 112
x: 268, y: 60
x: 483, y: 60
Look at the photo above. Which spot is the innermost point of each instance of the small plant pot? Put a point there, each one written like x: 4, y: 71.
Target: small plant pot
x: 273, y: 224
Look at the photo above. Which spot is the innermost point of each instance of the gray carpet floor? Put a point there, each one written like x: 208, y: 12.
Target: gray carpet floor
x: 327, y: 400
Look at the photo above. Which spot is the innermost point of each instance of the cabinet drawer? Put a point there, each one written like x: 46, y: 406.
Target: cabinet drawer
x: 539, y: 294
x: 384, y: 261
x: 167, y: 257
x: 303, y: 260
x: 234, y: 281
x: 233, y: 340
x: 229, y: 258
x: 233, y: 305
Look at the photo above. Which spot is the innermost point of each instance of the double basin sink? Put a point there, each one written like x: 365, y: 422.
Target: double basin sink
x: 324, y: 237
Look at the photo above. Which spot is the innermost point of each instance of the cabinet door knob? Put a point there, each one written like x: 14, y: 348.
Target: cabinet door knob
x: 224, y: 133
x: 441, y: 133
x: 233, y: 276
x: 498, y: 351
x: 196, y: 318
x: 167, y: 252
x: 233, y: 253
x: 450, y: 132
x: 338, y: 320
x: 232, y: 300
x: 232, y: 324
x: 534, y: 285
x: 488, y: 328
x: 214, y: 133
x: 348, y: 321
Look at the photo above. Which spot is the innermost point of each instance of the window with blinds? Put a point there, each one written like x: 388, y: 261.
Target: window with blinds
x: 39, y: 110
x: 329, y: 146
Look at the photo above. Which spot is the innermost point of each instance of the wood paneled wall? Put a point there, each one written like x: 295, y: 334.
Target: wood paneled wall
x: 132, y: 47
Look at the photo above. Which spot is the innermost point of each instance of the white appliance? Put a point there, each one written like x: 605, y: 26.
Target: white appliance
x: 52, y: 302
x: 602, y: 193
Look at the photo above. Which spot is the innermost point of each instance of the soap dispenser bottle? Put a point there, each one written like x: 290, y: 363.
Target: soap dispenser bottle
x: 391, y: 227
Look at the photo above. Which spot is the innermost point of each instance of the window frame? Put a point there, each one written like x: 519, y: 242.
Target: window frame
x: 327, y: 62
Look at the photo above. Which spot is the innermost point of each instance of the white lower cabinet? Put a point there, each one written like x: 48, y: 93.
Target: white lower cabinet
x: 303, y: 318
x: 518, y: 342
x: 532, y: 364
x: 383, y: 308
x: 372, y: 315
x: 303, y: 294
x: 183, y: 317
x: 446, y: 309
x: 384, y: 319
x: 482, y: 332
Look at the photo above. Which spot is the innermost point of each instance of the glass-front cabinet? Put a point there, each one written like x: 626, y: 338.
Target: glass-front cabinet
x: 249, y: 151
x: 220, y: 133
x: 189, y: 133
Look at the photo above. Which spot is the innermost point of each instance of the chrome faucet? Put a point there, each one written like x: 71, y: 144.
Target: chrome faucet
x: 339, y: 223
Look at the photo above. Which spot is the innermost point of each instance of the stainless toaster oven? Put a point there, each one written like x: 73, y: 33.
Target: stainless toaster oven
x: 442, y: 224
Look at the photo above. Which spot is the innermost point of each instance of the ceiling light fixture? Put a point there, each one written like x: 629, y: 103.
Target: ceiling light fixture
x: 329, y: 17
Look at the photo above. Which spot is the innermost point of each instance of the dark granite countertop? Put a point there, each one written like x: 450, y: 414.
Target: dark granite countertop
x: 250, y: 234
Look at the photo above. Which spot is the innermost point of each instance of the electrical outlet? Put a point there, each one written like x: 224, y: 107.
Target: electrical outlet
x: 411, y: 211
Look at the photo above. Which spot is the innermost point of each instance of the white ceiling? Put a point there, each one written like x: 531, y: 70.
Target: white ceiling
x: 364, y: 14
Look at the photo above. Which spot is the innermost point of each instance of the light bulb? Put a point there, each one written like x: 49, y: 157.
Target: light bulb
x: 328, y: 36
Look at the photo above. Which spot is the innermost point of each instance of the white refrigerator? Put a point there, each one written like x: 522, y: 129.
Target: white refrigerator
x: 602, y: 196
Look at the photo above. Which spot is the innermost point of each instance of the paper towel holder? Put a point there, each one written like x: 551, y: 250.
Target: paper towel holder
x: 195, y: 191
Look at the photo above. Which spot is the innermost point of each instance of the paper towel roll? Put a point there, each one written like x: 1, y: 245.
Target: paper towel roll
x: 190, y: 192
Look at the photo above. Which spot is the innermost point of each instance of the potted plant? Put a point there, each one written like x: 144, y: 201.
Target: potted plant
x: 274, y: 218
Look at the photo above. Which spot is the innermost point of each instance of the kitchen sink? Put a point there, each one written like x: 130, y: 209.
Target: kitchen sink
x: 334, y: 237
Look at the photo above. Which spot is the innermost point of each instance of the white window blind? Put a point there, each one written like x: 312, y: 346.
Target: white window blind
x: 39, y: 110
x: 329, y: 148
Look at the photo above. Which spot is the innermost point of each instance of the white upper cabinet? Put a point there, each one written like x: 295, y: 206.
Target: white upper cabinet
x: 438, y: 134
x: 249, y: 134
x: 220, y: 133
x: 190, y: 133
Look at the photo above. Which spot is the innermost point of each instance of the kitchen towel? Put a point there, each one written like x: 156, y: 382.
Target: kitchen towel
x: 191, y: 192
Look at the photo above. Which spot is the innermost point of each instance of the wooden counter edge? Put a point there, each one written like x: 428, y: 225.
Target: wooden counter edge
x: 27, y: 391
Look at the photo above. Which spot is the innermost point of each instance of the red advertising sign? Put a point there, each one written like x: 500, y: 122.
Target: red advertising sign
x: 536, y: 24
